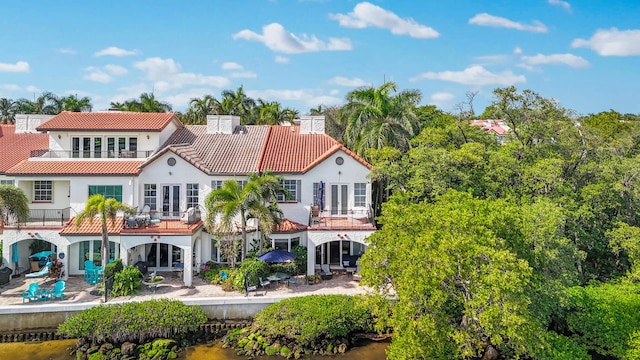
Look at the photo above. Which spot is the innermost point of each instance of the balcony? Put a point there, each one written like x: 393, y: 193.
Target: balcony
x: 359, y: 218
x: 163, y: 222
x: 111, y: 154
x: 43, y: 218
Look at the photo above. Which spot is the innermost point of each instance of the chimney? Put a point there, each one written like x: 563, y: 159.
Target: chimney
x: 27, y: 123
x: 222, y: 124
x: 312, y: 124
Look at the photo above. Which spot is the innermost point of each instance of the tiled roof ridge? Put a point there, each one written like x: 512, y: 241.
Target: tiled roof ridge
x: 176, y: 149
x: 132, y: 168
x: 263, y: 149
x: 59, y: 124
x: 336, y: 146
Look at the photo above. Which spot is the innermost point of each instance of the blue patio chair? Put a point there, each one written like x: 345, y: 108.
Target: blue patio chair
x: 58, y: 290
x: 42, y: 273
x: 292, y: 281
x: 32, y: 293
x: 88, y: 267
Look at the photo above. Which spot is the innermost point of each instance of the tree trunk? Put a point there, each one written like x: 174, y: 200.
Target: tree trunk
x: 244, y: 235
x: 105, y: 244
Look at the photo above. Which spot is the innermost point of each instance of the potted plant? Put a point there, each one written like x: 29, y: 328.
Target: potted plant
x: 310, y: 279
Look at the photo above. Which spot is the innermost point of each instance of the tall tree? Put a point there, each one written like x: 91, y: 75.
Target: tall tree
x: 376, y: 118
x: 104, y: 209
x: 75, y: 104
x: 147, y: 102
x: 8, y: 110
x: 233, y: 202
x: 13, y: 205
x: 237, y: 103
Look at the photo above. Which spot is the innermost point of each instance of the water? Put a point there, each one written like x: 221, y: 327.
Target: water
x: 58, y: 350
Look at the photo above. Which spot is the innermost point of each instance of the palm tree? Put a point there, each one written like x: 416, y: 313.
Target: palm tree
x: 147, y: 102
x: 199, y: 108
x: 105, y: 209
x: 13, y: 204
x: 257, y: 199
x: 48, y: 103
x: 72, y: 103
x: 8, y: 110
x: 272, y: 113
x: 375, y: 118
x: 237, y: 103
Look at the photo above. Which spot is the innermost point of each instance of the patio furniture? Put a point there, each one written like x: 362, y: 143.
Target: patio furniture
x: 292, y: 281
x: 5, y: 275
x: 32, y: 293
x: 277, y: 277
x: 58, y: 290
x: 264, y: 283
x: 42, y: 273
x: 325, y: 272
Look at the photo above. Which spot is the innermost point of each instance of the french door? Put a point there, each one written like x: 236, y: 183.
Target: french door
x: 339, y: 199
x: 170, y: 200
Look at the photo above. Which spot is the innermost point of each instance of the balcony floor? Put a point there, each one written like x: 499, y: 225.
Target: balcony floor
x: 341, y: 223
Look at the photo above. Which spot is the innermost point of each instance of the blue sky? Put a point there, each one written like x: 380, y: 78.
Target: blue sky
x: 303, y: 53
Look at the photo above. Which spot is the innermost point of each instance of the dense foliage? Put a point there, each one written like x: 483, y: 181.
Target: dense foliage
x: 316, y: 324
x: 134, y: 321
x: 480, y: 240
x: 126, y: 281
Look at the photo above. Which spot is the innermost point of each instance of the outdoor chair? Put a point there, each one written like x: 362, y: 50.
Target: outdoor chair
x: 325, y: 272
x: 264, y: 283
x: 292, y: 281
x: 42, y: 273
x: 32, y: 293
x: 58, y: 290
x: 88, y: 266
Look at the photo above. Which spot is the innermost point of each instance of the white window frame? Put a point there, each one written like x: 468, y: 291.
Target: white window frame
x: 7, y: 182
x: 360, y: 194
x: 150, y: 196
x: 43, y: 193
x: 193, y: 195
x: 292, y: 187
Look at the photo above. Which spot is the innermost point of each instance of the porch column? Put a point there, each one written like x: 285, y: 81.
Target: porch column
x: 65, y: 261
x: 188, y: 266
x: 311, y: 257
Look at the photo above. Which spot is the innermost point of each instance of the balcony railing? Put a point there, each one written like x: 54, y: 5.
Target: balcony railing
x: 357, y: 218
x: 43, y: 217
x: 111, y: 154
x: 160, y: 219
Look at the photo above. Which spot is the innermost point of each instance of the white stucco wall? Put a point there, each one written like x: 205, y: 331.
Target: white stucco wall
x: 59, y: 195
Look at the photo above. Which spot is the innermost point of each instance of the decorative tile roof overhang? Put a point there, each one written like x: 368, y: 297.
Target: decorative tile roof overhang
x: 109, y: 121
x: 15, y: 148
x: 93, y: 227
x: 75, y: 167
x: 287, y: 227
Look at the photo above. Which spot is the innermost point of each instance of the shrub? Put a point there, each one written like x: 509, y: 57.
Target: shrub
x: 289, y: 268
x: 112, y: 268
x: 127, y: 281
x: 134, y: 321
x: 604, y: 318
x: 301, y: 258
x: 306, y: 319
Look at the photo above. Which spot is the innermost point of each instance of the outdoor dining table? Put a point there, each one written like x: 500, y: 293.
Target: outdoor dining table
x: 277, y: 277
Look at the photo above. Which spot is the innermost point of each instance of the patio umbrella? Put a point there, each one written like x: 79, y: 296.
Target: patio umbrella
x: 14, y: 257
x: 277, y: 256
x: 42, y: 254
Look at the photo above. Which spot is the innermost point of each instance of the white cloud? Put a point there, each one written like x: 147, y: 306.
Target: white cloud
x: 116, y: 69
x: 20, y: 66
x: 115, y: 51
x: 366, y: 14
x: 563, y: 4
x: 517, y: 50
x: 612, y: 42
x: 32, y: 89
x: 97, y: 75
x: 442, y: 99
x: 166, y: 74
x: 130, y: 92
x: 334, y: 92
x: 485, y: 19
x: 473, y: 75
x: 498, y: 59
x: 281, y: 59
x: 343, y: 81
x: 243, y: 74
x: 276, y: 38
x: 556, y: 59
x: 11, y: 87
x: 183, y: 99
x: 231, y: 66
x: 67, y: 51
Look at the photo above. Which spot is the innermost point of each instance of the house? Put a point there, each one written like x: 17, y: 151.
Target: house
x: 497, y: 127
x: 166, y: 169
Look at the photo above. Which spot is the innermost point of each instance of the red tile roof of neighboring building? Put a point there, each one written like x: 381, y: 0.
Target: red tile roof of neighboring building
x: 108, y: 121
x: 499, y: 127
x: 92, y: 227
x: 15, y: 148
x: 288, y: 226
x: 76, y: 167
x: 288, y: 151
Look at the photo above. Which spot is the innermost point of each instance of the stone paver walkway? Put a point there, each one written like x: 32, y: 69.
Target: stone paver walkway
x: 79, y: 291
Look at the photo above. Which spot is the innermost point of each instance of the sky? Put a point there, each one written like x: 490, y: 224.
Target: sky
x: 303, y: 53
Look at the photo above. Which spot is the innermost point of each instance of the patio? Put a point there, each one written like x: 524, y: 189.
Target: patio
x: 78, y: 291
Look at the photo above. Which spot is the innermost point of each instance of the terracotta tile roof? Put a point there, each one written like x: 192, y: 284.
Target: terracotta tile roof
x: 15, y: 148
x: 109, y: 121
x: 236, y: 153
x: 288, y: 226
x: 500, y: 127
x: 92, y: 227
x: 75, y: 167
x: 165, y: 227
x: 288, y: 151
